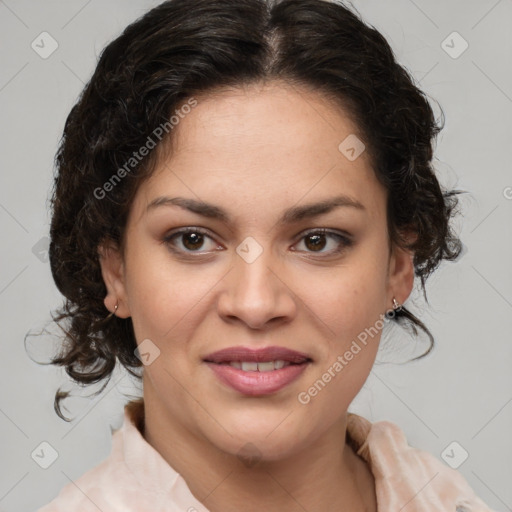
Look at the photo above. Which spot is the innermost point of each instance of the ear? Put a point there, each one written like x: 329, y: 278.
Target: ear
x: 401, y: 274
x: 112, y: 270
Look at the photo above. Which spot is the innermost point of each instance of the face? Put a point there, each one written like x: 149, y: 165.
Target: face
x: 279, y: 240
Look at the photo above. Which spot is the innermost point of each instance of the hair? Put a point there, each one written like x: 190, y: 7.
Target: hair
x: 174, y: 52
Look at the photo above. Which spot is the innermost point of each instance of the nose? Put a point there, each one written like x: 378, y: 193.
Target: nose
x: 257, y: 293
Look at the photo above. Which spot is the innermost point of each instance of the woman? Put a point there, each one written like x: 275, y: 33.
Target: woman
x: 243, y: 200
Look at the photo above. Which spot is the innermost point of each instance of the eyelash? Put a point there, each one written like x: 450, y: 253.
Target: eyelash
x: 343, y: 240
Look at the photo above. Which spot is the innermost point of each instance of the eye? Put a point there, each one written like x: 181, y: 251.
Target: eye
x: 190, y: 240
x: 193, y: 240
x: 317, y: 240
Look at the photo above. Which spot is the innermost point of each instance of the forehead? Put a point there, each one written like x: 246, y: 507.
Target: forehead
x: 263, y: 116
x: 265, y: 144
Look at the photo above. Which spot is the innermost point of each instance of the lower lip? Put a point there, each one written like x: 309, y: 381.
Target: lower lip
x: 257, y: 383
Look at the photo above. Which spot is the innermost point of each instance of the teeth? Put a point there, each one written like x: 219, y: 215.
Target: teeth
x: 252, y: 366
x: 266, y: 367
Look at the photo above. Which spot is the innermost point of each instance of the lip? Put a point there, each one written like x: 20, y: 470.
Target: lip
x: 254, y: 383
x: 256, y: 355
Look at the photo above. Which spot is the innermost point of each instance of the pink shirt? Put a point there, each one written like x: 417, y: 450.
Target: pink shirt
x: 136, y: 478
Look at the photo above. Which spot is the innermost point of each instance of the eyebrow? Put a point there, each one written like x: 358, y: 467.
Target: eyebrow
x: 291, y: 215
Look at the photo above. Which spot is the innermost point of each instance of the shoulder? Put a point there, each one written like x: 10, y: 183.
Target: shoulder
x: 134, y: 477
x: 113, y: 485
x: 94, y: 490
x: 405, y: 475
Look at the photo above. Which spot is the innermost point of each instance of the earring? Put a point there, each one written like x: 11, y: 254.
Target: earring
x: 396, y: 305
x: 113, y: 312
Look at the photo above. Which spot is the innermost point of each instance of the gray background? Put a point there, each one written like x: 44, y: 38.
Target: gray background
x: 461, y: 392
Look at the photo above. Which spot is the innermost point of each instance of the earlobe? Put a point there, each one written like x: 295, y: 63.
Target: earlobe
x: 112, y: 271
x: 401, y: 277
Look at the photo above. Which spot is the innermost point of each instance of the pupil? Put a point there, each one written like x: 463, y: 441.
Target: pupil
x: 195, y: 239
x: 319, y: 242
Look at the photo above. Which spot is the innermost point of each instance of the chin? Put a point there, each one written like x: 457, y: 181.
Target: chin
x: 260, y: 436
x: 251, y: 449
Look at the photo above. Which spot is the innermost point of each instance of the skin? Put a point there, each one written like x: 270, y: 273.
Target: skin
x: 255, y: 152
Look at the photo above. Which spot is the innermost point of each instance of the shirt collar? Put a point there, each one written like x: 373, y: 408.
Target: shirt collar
x: 399, y: 470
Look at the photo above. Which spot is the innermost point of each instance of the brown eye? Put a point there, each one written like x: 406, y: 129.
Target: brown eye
x: 315, y: 242
x: 318, y: 240
x: 190, y: 240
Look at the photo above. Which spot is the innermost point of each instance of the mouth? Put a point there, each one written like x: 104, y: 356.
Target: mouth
x: 257, y: 372
x: 265, y: 366
x: 277, y: 356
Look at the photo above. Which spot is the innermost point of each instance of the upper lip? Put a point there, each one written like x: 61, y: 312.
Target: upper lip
x: 260, y: 355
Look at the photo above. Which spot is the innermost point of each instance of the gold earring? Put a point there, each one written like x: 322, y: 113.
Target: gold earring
x: 396, y: 305
x: 113, y: 312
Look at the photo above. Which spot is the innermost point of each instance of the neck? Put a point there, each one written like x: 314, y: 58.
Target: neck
x: 327, y: 475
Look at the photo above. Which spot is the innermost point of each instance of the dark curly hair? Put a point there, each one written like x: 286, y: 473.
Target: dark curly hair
x: 180, y: 49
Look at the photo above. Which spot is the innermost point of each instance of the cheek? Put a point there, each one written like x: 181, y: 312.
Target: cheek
x: 350, y: 307
x: 347, y: 298
x: 167, y: 299
x: 347, y: 304
x: 158, y: 293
